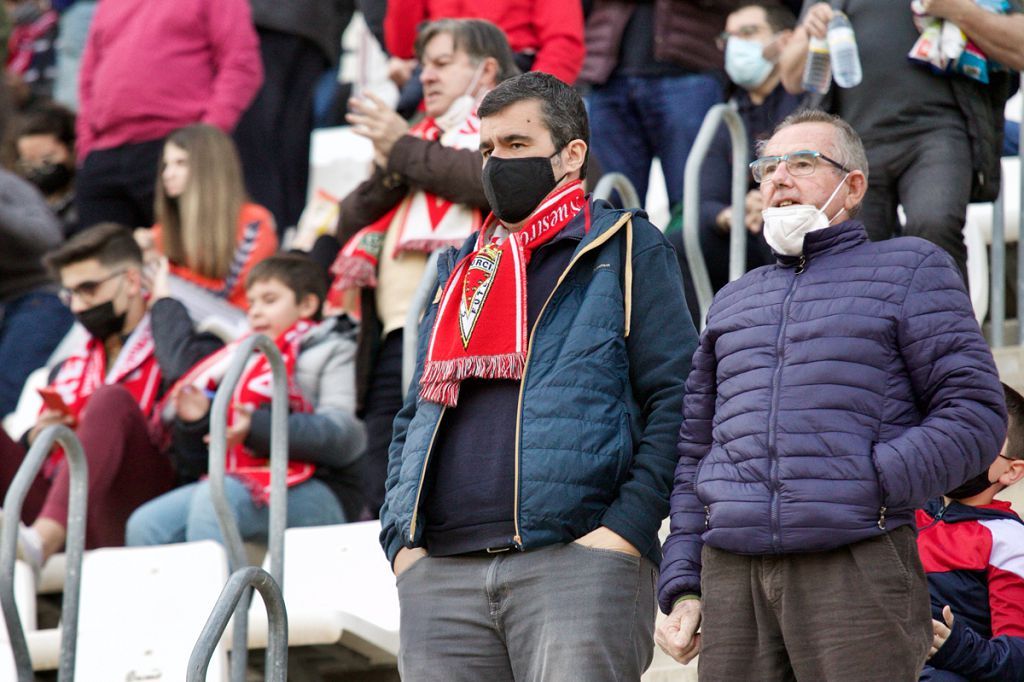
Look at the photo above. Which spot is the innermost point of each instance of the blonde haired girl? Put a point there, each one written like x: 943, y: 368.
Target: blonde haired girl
x: 206, y: 226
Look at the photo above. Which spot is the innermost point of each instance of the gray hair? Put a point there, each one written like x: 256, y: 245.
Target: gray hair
x: 847, y: 145
x: 478, y: 38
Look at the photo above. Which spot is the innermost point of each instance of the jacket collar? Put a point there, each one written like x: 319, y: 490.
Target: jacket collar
x: 835, y: 239
x: 955, y: 512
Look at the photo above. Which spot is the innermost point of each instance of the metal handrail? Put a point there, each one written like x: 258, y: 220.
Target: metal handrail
x: 997, y: 273
x: 691, y: 202
x: 997, y: 265
x: 617, y: 182
x: 410, y: 334
x: 74, y: 548
x: 278, y: 487
x: 239, y: 583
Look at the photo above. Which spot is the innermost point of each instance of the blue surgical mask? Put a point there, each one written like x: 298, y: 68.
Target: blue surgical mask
x: 745, y: 63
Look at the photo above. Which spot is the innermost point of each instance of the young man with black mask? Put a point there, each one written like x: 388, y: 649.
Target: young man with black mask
x: 531, y: 463
x: 109, y: 389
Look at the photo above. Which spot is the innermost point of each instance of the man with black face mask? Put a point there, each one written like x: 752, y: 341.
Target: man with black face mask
x: 107, y: 390
x: 972, y: 549
x: 531, y: 463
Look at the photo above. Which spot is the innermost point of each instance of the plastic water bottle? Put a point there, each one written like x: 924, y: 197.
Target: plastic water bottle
x: 843, y: 46
x: 817, y: 71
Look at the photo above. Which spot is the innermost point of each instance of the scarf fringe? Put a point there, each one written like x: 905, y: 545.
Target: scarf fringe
x: 354, y: 272
x: 430, y: 245
x: 440, y: 380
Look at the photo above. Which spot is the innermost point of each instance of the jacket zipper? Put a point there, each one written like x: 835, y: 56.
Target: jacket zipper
x: 935, y: 519
x: 774, y: 415
x: 518, y: 538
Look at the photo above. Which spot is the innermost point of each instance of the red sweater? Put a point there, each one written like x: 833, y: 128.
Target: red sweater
x: 551, y: 28
x: 152, y: 67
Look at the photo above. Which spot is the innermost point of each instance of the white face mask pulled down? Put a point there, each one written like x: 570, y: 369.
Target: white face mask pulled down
x: 463, y: 105
x: 786, y: 226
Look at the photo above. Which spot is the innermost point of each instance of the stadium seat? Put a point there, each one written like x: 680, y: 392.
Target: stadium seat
x: 339, y: 589
x: 143, y: 608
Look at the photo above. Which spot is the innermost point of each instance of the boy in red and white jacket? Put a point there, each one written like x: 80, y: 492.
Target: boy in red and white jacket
x: 972, y: 549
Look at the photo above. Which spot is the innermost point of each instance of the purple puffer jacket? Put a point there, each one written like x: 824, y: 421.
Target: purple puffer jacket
x: 829, y: 397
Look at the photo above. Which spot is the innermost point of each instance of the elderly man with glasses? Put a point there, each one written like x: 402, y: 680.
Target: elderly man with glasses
x: 831, y: 394
x: 109, y: 390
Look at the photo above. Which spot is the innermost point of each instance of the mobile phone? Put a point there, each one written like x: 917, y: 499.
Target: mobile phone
x: 53, y: 400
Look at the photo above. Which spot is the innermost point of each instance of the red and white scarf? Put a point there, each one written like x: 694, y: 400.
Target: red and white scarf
x: 481, y: 326
x: 252, y: 391
x: 424, y: 221
x: 85, y: 371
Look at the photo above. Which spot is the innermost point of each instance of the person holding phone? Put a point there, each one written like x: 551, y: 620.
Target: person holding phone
x: 107, y: 390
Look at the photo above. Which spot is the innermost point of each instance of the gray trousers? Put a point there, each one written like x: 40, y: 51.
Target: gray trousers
x: 859, y: 613
x: 931, y: 176
x: 563, y: 612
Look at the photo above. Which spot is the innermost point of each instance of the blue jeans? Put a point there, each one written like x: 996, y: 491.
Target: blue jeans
x: 1011, y: 138
x: 634, y: 119
x: 74, y: 29
x: 31, y: 327
x: 186, y: 514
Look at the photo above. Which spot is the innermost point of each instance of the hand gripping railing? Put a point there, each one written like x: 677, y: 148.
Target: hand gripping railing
x: 241, y: 582
x: 278, y: 488
x: 74, y: 547
x: 617, y: 182
x: 691, y: 202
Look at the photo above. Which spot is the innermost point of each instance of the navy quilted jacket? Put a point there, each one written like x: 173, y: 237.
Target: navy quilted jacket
x: 829, y: 396
x: 599, y: 404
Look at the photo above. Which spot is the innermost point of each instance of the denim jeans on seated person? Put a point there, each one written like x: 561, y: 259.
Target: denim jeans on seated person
x: 186, y: 514
x: 636, y: 118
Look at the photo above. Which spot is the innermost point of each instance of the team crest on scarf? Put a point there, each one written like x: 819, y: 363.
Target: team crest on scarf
x: 485, y: 300
x: 476, y: 286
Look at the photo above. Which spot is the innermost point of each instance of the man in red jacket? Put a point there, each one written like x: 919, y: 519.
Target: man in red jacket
x: 147, y: 70
x: 544, y: 35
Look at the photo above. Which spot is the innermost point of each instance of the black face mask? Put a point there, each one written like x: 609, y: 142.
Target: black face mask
x: 48, y: 177
x: 515, y: 187
x: 101, y: 321
x: 970, y: 487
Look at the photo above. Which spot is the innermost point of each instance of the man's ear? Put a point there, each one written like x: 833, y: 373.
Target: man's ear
x: 133, y: 277
x: 574, y: 156
x: 858, y: 185
x: 488, y: 74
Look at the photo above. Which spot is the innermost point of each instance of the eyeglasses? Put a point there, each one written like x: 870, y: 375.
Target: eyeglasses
x: 1011, y: 459
x: 798, y: 163
x: 744, y: 32
x: 85, y: 290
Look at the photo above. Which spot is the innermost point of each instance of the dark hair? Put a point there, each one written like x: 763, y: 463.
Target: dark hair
x: 296, y: 272
x: 1015, y: 424
x: 48, y: 119
x: 478, y: 38
x: 562, y: 108
x: 778, y: 16
x: 109, y: 243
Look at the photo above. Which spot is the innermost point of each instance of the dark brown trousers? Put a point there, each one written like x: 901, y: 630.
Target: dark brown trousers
x: 858, y: 613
